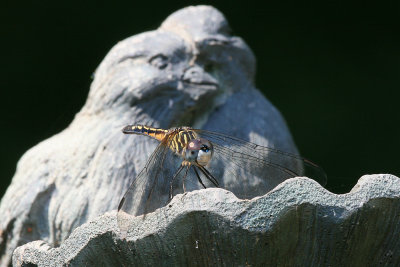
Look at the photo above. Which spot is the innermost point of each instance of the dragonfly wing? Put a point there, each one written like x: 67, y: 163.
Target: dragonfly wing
x: 249, y: 170
x: 244, y: 168
x: 147, y: 191
x: 152, y: 187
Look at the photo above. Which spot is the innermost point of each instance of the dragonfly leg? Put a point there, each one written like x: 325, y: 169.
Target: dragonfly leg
x: 198, y: 177
x: 209, y: 176
x: 172, y: 181
x: 184, y: 178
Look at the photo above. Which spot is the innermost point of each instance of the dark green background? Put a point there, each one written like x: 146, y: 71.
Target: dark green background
x: 331, y: 68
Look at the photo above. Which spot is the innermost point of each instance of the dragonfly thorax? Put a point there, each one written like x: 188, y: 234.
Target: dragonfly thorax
x: 198, y: 151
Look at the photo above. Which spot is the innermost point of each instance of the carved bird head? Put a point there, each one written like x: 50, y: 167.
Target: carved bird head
x: 175, y: 75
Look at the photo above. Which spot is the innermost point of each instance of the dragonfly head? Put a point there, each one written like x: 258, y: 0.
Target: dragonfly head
x: 199, y: 151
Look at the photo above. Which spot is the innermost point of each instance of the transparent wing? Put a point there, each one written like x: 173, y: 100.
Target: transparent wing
x: 244, y: 168
x: 162, y: 177
x: 141, y: 195
x: 250, y: 170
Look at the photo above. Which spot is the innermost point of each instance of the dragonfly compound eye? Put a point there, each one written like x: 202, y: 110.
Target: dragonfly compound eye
x: 199, y: 151
x: 205, y: 152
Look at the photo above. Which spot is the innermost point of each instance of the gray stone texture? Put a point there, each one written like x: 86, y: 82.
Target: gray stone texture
x: 191, y: 71
x: 299, y: 223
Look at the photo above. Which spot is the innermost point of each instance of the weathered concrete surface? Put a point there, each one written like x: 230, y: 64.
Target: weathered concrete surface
x: 191, y: 71
x: 297, y: 224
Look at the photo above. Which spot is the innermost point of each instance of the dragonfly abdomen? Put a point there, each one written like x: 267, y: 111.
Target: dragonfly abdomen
x: 156, y: 133
x: 178, y: 138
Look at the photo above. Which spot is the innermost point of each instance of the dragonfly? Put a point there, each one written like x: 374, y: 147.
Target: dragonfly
x: 188, y: 159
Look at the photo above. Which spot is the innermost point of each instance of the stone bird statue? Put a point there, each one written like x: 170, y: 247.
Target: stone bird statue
x: 190, y: 71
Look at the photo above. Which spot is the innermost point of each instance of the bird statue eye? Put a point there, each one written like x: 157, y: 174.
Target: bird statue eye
x: 159, y: 61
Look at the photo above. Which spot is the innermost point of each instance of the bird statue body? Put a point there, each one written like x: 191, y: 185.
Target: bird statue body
x: 190, y: 71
